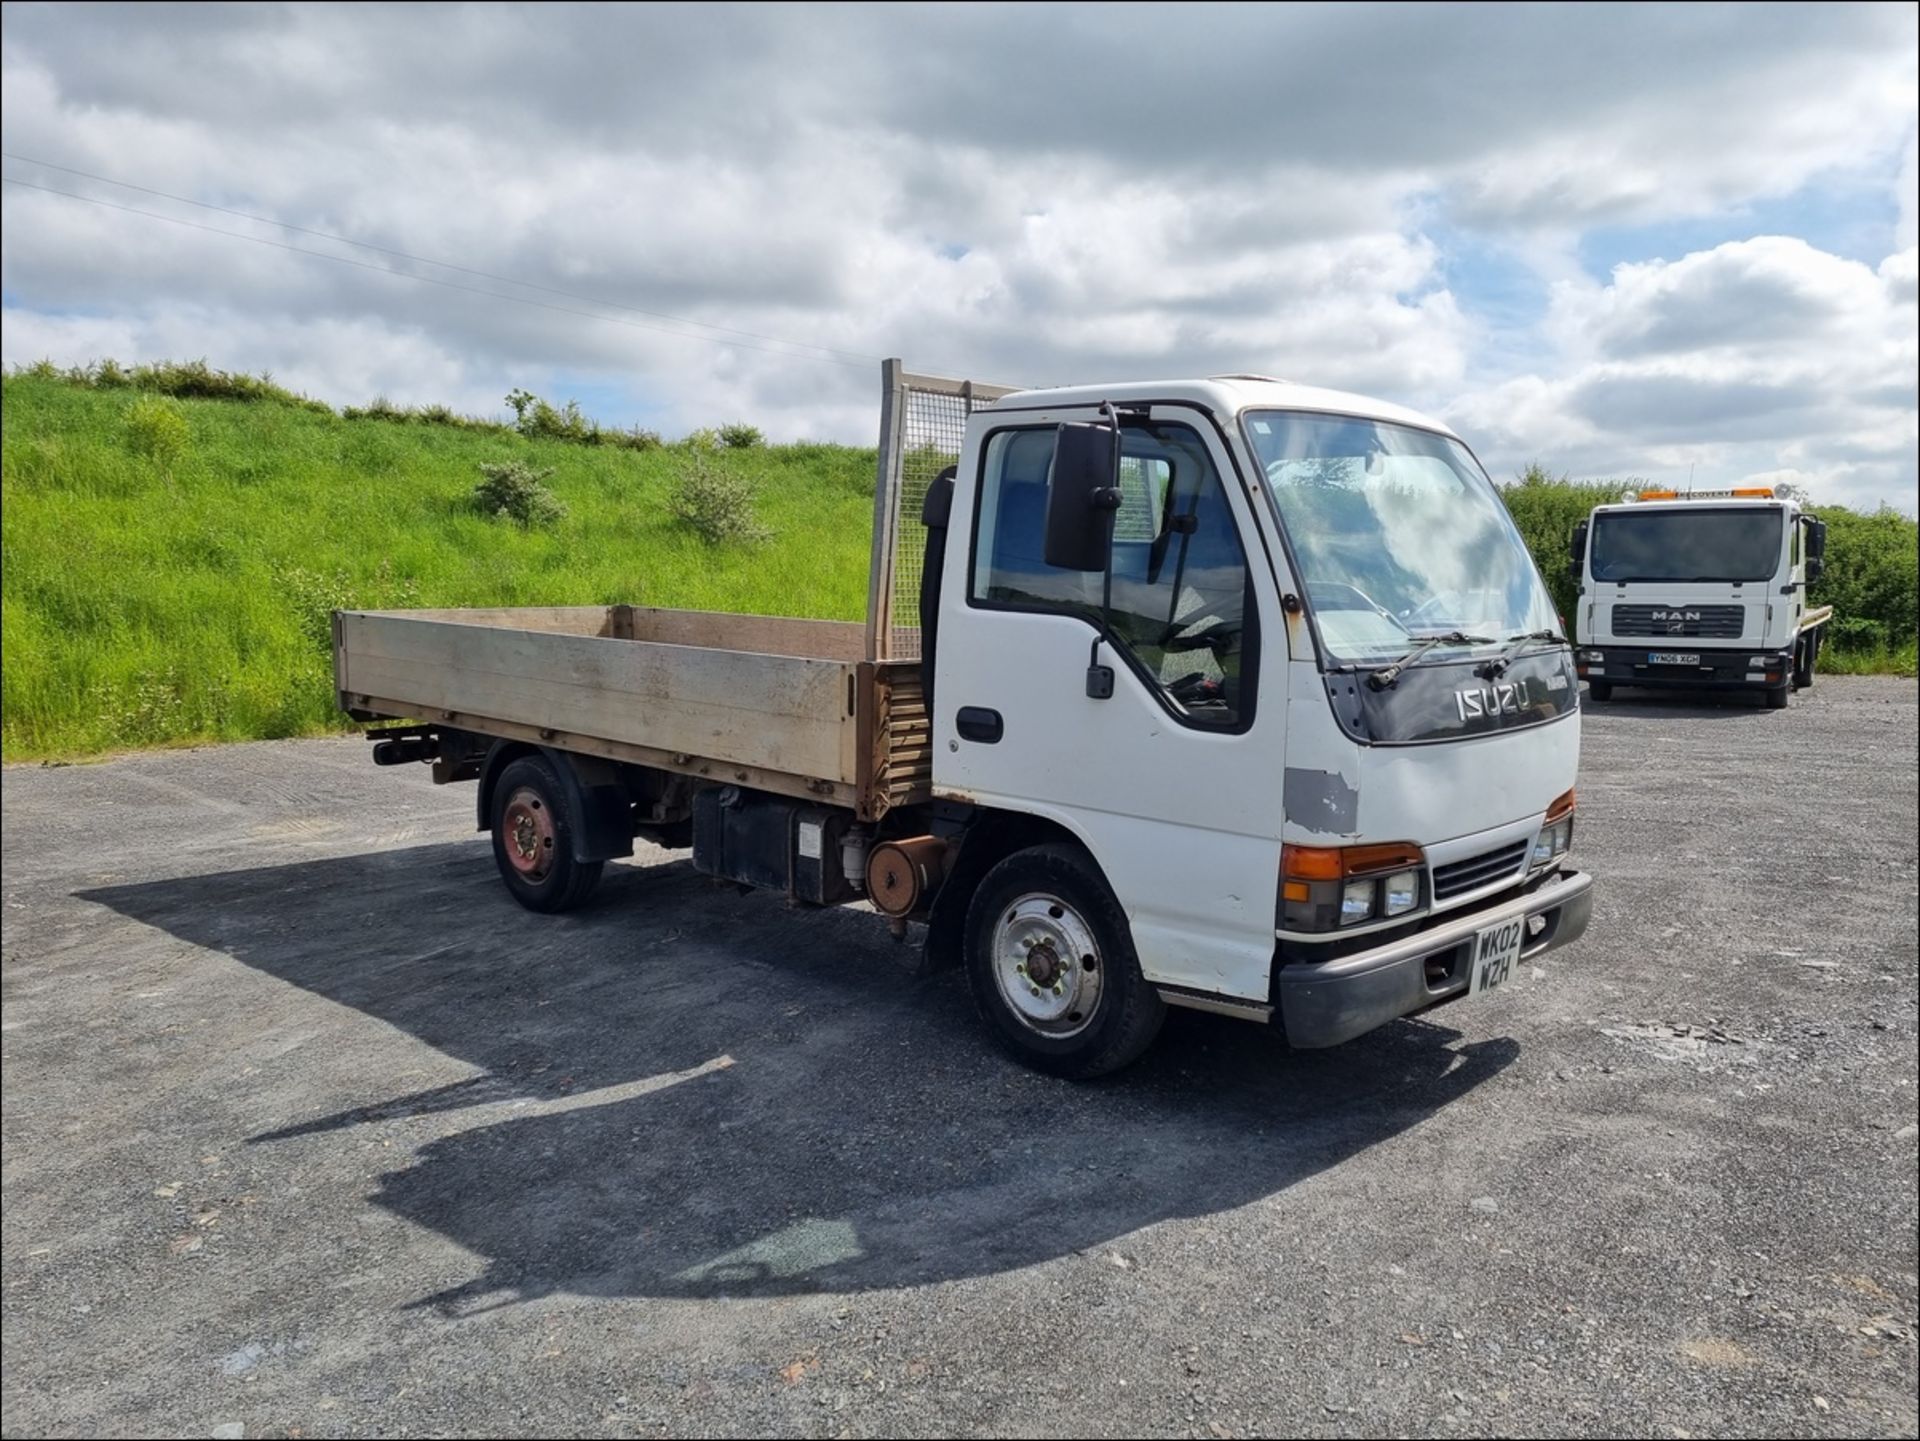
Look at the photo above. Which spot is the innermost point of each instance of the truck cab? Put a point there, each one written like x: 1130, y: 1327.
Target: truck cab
x: 1290, y: 679
x: 1701, y: 590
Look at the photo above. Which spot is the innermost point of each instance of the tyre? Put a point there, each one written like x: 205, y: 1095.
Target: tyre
x: 533, y: 839
x: 1051, y: 966
x: 1804, y: 657
x: 1600, y: 690
x: 1777, y: 696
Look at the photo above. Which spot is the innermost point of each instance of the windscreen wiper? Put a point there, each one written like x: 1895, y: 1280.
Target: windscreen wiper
x: 1387, y: 675
x: 1497, y: 664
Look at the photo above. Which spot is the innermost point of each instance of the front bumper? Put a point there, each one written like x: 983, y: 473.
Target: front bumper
x: 1718, y: 669
x: 1323, y: 1003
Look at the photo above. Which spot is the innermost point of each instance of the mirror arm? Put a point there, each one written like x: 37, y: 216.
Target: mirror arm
x: 1100, y: 677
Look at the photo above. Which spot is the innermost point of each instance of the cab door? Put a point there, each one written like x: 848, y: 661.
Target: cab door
x: 1173, y: 782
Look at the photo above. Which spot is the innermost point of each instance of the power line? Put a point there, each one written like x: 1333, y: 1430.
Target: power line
x: 428, y: 260
x: 431, y: 280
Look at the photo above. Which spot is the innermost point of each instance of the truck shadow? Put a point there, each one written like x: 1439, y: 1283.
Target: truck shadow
x: 683, y: 1091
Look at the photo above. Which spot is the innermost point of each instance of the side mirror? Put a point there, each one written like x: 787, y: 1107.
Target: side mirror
x: 1816, y: 567
x: 1817, y: 540
x: 1577, y: 550
x: 1082, y: 496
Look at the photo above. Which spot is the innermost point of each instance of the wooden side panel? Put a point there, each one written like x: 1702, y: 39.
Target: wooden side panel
x: 562, y: 619
x: 774, y: 712
x: 758, y: 634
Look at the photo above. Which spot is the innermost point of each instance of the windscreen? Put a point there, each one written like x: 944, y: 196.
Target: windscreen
x: 1398, y: 535
x: 1687, y: 545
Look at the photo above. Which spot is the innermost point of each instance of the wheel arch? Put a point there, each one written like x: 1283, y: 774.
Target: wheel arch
x: 594, y: 799
x: 986, y: 837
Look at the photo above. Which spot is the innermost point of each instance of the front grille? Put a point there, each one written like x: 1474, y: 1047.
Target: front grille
x: 1459, y: 877
x: 1709, y: 622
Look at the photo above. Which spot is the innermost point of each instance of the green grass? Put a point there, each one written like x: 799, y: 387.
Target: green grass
x: 162, y: 593
x: 1885, y: 660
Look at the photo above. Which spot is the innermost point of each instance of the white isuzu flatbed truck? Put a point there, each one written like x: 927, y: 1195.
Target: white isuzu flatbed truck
x: 1705, y: 589
x: 1227, y: 693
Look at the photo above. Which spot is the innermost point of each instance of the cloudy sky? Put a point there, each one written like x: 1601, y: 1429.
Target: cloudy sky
x: 1624, y: 241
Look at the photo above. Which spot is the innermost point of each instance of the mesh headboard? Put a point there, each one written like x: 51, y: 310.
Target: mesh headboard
x: 923, y: 419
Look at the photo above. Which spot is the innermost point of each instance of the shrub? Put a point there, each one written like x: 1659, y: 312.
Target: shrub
x: 1546, y: 509
x: 184, y: 380
x: 313, y: 597
x: 714, y: 503
x: 741, y: 436
x: 637, y: 438
x: 702, y: 439
x: 512, y: 490
x: 157, y: 429
x: 537, y: 420
x: 1872, y: 575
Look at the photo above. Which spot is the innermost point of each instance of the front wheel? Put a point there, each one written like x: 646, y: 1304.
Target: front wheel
x: 1051, y: 966
x: 1600, y: 690
x: 533, y: 839
x: 1777, y: 696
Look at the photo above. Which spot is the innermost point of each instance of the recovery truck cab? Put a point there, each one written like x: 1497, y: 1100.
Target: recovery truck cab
x: 1228, y: 693
x: 1703, y: 589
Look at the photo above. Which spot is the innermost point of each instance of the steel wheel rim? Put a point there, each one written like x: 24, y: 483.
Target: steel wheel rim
x: 526, y: 828
x: 1047, y: 965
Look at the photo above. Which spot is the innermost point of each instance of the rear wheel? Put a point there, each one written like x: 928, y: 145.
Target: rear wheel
x: 1051, y: 966
x: 533, y: 839
x: 1804, y: 657
x: 1600, y: 690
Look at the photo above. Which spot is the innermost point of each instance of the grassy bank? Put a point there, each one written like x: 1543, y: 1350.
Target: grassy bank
x: 168, y: 582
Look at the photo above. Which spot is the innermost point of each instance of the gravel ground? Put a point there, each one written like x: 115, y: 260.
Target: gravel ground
x: 310, y: 1131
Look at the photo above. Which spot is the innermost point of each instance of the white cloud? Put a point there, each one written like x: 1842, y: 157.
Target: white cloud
x: 1035, y: 194
x: 1756, y: 357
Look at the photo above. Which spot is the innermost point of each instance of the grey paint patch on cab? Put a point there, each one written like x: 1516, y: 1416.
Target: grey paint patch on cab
x: 1322, y: 801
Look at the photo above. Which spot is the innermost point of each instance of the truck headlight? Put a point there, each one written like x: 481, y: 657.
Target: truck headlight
x: 1556, y: 832
x: 1323, y: 888
x: 1356, y: 902
x: 1402, y: 892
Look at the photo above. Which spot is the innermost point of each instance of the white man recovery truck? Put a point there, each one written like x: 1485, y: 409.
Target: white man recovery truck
x: 1229, y: 693
x: 1705, y: 589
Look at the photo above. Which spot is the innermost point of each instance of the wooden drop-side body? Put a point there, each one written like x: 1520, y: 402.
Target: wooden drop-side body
x: 789, y: 706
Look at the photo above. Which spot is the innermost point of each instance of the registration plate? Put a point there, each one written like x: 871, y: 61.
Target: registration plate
x: 1495, y: 951
x: 1673, y: 657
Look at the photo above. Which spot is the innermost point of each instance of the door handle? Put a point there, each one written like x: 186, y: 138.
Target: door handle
x: 977, y: 723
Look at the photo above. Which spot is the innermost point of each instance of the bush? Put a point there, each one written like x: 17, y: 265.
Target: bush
x: 537, y: 420
x: 511, y: 490
x: 1546, y: 509
x: 741, y: 436
x: 184, y: 380
x: 637, y: 438
x: 1872, y: 578
x: 157, y: 429
x: 713, y: 502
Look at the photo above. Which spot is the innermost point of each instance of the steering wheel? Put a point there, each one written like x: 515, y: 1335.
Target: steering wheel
x: 1217, y: 637
x: 1196, y: 688
x: 1334, y: 595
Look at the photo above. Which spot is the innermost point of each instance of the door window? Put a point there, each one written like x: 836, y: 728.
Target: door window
x: 1182, y: 610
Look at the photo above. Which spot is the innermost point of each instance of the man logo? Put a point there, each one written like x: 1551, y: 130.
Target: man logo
x: 1676, y: 621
